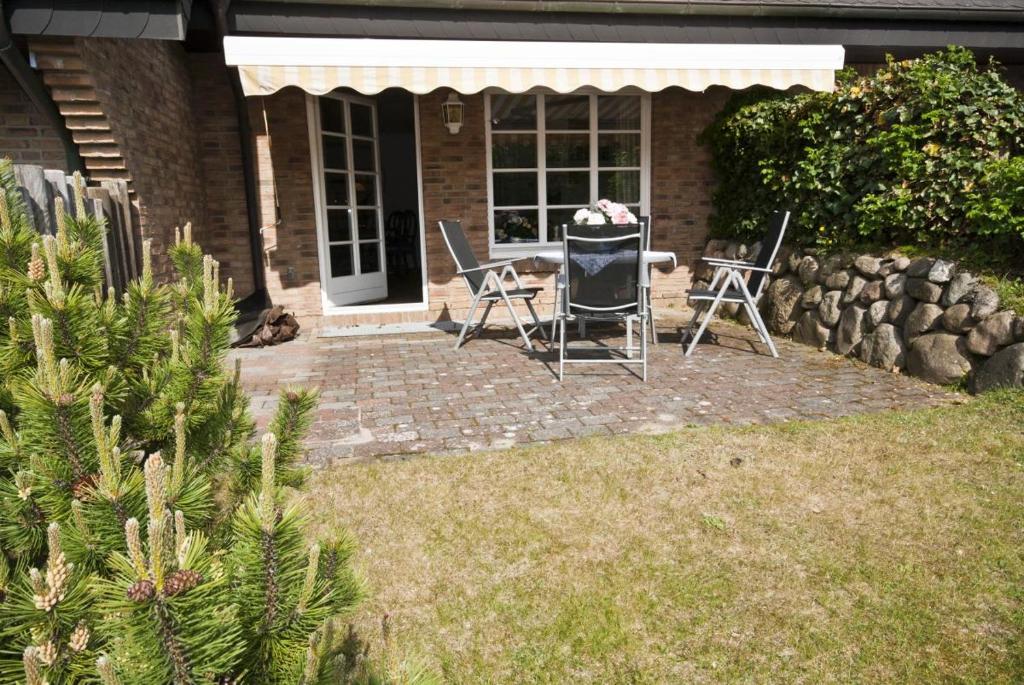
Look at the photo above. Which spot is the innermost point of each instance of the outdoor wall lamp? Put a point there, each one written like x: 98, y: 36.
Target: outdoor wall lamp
x: 451, y: 112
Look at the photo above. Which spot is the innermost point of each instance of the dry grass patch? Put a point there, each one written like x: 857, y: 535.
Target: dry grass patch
x: 883, y: 548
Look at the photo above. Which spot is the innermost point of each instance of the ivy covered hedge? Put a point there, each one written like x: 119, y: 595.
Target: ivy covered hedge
x: 926, y: 152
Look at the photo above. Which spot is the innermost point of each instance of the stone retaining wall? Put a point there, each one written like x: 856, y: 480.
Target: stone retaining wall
x: 920, y: 316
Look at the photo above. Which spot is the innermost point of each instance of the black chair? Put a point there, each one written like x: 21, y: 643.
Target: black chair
x: 486, y: 285
x: 603, y: 277
x: 730, y: 284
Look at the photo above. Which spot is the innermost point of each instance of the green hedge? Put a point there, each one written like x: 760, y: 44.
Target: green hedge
x: 926, y: 152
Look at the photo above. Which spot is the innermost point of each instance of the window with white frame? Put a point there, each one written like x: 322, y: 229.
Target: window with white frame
x: 550, y: 154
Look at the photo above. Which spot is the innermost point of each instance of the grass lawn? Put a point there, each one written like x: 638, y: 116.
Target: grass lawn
x: 883, y: 548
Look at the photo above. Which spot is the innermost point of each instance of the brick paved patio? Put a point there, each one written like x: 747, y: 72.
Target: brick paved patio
x: 388, y: 395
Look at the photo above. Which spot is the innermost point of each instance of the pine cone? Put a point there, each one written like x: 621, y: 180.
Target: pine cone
x: 181, y: 580
x: 141, y: 591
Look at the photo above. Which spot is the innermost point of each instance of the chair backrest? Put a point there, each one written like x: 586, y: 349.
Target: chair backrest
x: 645, y: 221
x: 603, y: 268
x: 769, y: 248
x: 462, y: 253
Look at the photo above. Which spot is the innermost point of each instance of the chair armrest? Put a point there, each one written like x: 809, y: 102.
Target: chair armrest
x: 487, y: 267
x: 727, y: 262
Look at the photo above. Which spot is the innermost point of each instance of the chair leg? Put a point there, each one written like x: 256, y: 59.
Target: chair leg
x: 515, y: 318
x: 469, y: 319
x: 650, y: 318
x: 698, y: 309
x: 561, y: 348
x: 536, y: 320
x: 707, y: 316
x: 629, y: 338
x: 554, y: 317
x: 755, y: 316
x: 643, y: 347
x: 483, y: 319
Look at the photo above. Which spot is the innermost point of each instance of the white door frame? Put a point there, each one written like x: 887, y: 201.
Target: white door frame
x: 316, y: 160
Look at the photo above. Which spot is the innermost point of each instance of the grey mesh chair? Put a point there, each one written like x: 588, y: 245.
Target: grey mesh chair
x: 603, y: 276
x: 730, y: 284
x: 486, y: 284
x: 645, y: 222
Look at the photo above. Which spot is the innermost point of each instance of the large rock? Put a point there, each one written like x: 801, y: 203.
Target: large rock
x: 984, y: 301
x: 1004, y: 369
x: 958, y: 319
x: 794, y: 261
x: 895, y: 285
x: 900, y: 263
x: 829, y: 310
x: 871, y: 292
x: 812, y: 297
x: 851, y: 329
x: 868, y: 266
x: 924, y: 290
x: 830, y: 265
x: 924, y: 318
x: 808, y: 270
x: 810, y: 331
x: 958, y: 288
x: 755, y: 251
x: 839, y: 280
x: 899, y: 309
x: 941, y: 271
x: 919, y: 267
x: 853, y: 290
x: 877, y: 312
x: 784, y: 304
x: 939, y: 358
x: 884, y: 348
x: 991, y: 333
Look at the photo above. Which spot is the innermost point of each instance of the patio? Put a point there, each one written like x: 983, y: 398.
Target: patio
x: 403, y: 394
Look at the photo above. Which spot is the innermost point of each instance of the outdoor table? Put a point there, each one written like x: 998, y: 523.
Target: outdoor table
x: 650, y: 258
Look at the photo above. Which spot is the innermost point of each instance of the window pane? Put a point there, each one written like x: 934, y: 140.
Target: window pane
x: 335, y: 156
x: 618, y: 149
x: 515, y: 226
x: 336, y: 186
x: 557, y: 217
x: 514, y: 151
x: 619, y: 186
x: 331, y: 118
x: 513, y: 112
x: 362, y: 120
x: 567, y: 150
x: 567, y: 112
x: 362, y: 155
x: 341, y: 260
x: 519, y: 188
x: 369, y: 258
x: 618, y: 112
x: 367, y: 224
x: 338, y: 228
x: 569, y: 187
x: 366, y: 189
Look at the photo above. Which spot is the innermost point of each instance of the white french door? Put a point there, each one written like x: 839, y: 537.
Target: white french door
x: 351, y: 220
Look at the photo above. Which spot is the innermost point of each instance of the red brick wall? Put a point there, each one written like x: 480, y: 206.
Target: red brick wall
x: 225, y: 231
x: 146, y: 93
x: 25, y: 135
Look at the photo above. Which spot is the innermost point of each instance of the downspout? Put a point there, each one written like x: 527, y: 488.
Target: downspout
x: 36, y: 93
x: 220, y: 14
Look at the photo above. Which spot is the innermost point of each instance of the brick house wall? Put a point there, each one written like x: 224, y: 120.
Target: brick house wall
x: 25, y: 135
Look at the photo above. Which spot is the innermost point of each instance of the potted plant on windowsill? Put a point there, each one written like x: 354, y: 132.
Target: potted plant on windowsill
x: 518, y: 229
x: 604, y: 212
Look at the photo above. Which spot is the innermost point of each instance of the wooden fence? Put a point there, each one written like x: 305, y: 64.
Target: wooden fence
x: 109, y: 200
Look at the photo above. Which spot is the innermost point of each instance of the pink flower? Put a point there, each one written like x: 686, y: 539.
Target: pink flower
x: 604, y: 205
x: 620, y: 215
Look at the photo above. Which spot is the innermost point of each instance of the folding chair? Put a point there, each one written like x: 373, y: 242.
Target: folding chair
x: 486, y: 285
x: 603, y: 281
x: 730, y: 284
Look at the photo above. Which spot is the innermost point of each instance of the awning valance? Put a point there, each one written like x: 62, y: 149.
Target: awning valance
x: 369, y: 65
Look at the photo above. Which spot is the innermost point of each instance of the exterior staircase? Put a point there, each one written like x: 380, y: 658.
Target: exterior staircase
x: 74, y: 92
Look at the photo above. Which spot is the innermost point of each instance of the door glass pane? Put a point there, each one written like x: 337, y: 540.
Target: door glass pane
x: 366, y: 189
x: 567, y: 150
x: 618, y: 149
x: 331, y: 118
x: 557, y: 217
x: 336, y: 188
x: 569, y: 188
x: 513, y: 112
x: 618, y: 112
x: 567, y: 112
x: 367, y: 224
x: 514, y: 151
x: 619, y: 186
x: 515, y: 226
x: 341, y: 260
x: 362, y: 155
x: 369, y: 258
x: 362, y: 120
x: 517, y: 188
x: 335, y: 155
x: 338, y: 228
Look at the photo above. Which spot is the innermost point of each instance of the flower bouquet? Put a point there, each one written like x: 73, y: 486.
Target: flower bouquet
x: 604, y: 212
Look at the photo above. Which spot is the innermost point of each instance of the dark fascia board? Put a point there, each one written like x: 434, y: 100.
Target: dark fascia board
x: 156, y: 19
x: 864, y: 39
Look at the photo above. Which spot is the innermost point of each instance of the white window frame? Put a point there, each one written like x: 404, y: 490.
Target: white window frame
x: 498, y: 250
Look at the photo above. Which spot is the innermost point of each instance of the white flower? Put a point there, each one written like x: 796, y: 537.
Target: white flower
x: 581, y: 216
x: 631, y: 217
x: 595, y: 219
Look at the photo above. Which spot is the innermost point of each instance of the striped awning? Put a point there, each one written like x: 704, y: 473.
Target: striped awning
x: 369, y: 65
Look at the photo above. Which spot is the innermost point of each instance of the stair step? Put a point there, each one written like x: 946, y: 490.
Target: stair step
x: 68, y: 78
x: 50, y: 61
x: 73, y: 94
x: 42, y: 46
x: 80, y: 109
x: 112, y: 175
x: 85, y: 136
x: 99, y: 150
x: 111, y: 163
x: 87, y: 123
